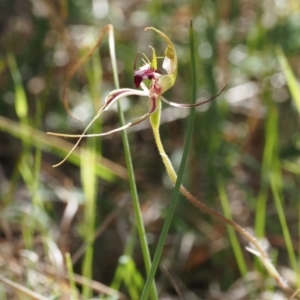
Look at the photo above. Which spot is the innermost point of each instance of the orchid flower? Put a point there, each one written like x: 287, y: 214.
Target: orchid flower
x: 159, y: 83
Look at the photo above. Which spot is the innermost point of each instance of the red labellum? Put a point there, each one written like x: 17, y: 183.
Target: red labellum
x: 140, y: 75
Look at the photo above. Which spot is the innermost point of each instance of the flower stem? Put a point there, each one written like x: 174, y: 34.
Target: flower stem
x: 133, y: 189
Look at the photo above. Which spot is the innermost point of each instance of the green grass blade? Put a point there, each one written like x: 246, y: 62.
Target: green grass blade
x: 89, y: 182
x: 231, y: 232
x: 71, y: 276
x: 88, y: 173
x: 268, y: 157
x: 128, y: 251
x: 289, y: 76
x: 276, y: 183
x: 131, y: 277
x: 20, y: 95
x: 175, y: 194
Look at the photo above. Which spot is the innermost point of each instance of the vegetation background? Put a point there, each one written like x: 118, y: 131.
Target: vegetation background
x: 243, y: 160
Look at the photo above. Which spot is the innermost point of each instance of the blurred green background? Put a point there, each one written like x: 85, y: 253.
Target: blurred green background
x: 245, y: 147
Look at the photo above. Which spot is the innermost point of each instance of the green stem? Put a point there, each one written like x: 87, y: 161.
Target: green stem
x: 133, y: 189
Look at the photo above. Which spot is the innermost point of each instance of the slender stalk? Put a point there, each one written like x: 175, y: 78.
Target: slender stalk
x: 132, y: 184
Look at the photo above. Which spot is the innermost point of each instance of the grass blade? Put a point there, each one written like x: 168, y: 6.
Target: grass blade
x: 20, y: 95
x: 290, y: 77
x: 268, y: 158
x: 276, y: 183
x: 232, y: 234
x: 71, y: 276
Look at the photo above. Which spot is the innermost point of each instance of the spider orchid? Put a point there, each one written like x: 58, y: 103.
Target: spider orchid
x: 159, y: 83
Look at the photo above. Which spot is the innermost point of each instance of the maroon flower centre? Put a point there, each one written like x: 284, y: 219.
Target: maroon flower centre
x: 140, y: 75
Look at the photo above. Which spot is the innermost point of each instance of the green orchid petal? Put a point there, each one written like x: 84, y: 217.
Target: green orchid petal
x: 154, y: 59
x: 169, y: 64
